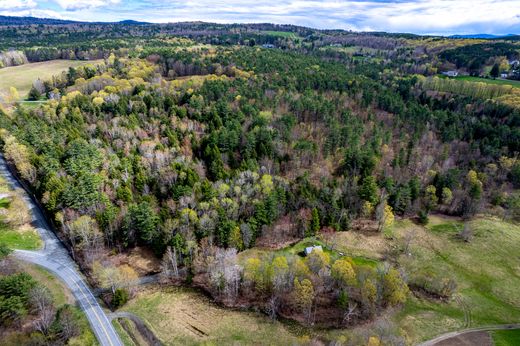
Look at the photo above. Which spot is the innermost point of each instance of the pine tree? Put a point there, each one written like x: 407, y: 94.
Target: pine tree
x: 314, y: 224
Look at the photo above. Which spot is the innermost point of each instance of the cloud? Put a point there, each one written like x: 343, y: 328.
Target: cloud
x: 16, y: 4
x: 73, y: 5
x: 38, y: 13
x: 423, y: 16
x: 417, y: 16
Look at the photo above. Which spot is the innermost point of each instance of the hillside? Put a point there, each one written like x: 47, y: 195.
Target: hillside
x: 325, y: 178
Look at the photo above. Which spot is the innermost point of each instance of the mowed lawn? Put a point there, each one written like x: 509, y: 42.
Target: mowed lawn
x: 21, y: 77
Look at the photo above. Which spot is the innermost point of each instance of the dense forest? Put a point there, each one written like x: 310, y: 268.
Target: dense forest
x: 202, y: 146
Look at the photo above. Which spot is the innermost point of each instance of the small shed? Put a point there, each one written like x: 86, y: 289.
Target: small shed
x: 310, y: 249
x: 451, y: 73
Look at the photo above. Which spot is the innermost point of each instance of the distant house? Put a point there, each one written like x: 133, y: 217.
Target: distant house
x: 310, y: 249
x: 268, y: 45
x: 504, y: 75
x: 451, y: 73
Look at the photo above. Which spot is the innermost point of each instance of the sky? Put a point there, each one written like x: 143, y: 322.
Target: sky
x: 438, y: 17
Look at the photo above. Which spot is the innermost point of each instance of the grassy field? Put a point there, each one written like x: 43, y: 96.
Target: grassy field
x: 180, y: 316
x: 284, y: 34
x: 24, y: 238
x: 506, y: 337
x: 486, y: 270
x: 516, y: 84
x: 21, y: 77
x: 299, y: 248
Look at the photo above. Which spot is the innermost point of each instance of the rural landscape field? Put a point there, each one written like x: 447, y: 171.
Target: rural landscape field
x: 299, y: 173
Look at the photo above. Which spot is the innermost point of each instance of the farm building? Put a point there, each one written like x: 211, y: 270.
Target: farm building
x: 310, y: 249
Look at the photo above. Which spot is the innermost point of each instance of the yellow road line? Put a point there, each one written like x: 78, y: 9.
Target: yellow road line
x: 94, y: 310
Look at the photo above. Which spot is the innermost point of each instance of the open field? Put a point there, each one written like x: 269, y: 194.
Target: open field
x: 21, y: 77
x: 284, y: 34
x: 514, y: 83
x: 486, y: 271
x: 180, y: 316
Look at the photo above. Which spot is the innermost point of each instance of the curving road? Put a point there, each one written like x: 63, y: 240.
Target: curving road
x: 55, y: 258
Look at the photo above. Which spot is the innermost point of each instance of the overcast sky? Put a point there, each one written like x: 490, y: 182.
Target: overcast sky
x: 420, y: 16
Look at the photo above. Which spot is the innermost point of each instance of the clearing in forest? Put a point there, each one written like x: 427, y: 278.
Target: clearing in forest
x: 21, y: 77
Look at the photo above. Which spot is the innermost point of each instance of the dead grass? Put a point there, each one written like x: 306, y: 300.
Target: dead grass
x: 180, y: 316
x: 142, y: 260
x: 356, y: 244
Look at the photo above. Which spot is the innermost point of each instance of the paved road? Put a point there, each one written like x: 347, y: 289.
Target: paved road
x: 447, y: 336
x: 55, y: 258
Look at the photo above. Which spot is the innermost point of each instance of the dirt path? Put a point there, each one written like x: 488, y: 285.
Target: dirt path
x: 142, y: 328
x: 468, y: 339
x: 445, y: 339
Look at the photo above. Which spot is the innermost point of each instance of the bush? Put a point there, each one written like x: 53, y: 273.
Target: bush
x: 120, y: 298
x: 422, y: 217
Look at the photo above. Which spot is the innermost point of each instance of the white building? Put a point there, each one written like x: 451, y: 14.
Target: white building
x: 310, y: 249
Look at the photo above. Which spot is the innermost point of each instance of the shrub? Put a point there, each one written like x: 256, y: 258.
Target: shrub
x: 422, y: 217
x: 120, y: 298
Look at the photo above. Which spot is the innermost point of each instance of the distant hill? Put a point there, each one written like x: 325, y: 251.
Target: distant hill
x: 8, y: 20
x: 482, y: 36
x: 132, y: 22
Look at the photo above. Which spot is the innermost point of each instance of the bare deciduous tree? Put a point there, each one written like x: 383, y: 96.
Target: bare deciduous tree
x: 41, y: 300
x: 169, y: 265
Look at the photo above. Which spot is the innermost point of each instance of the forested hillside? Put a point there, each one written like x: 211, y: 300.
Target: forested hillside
x: 203, y: 151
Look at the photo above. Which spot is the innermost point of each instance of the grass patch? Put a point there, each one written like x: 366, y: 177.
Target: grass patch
x: 23, y: 238
x: 59, y: 291
x: 181, y: 316
x: 451, y: 227
x: 125, y: 338
x: 21, y: 77
x: 513, y: 83
x: 506, y: 337
x: 62, y: 296
x: 299, y: 248
x: 4, y: 203
x: 26, y: 238
x: 486, y: 270
x: 284, y: 34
